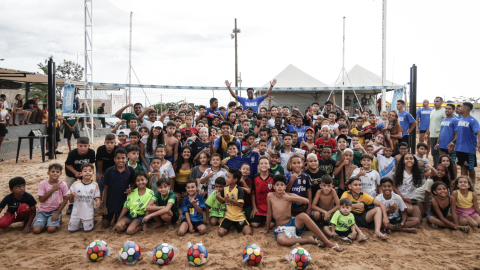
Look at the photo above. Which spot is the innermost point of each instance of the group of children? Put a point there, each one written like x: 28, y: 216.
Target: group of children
x: 331, y: 178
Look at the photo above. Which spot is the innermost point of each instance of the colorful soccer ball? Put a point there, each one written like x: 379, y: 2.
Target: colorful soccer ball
x: 130, y: 252
x: 163, y: 254
x: 252, y: 255
x: 299, y: 258
x: 97, y: 250
x: 197, y: 254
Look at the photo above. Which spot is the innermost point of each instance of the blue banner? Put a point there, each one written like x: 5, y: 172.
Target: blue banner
x: 397, y: 95
x: 68, y: 95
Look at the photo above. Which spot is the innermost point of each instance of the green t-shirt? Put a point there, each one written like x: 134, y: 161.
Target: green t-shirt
x: 435, y: 122
x: 171, y: 198
x: 277, y: 170
x: 216, y: 208
x: 127, y: 117
x: 137, y: 167
x: 137, y: 205
x: 71, y: 121
x: 370, y: 101
x: 342, y: 222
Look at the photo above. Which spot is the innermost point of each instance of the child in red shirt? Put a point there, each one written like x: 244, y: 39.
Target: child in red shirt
x: 325, y: 140
x: 262, y: 185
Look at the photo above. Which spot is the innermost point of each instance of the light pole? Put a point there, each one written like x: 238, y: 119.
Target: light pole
x: 240, y: 82
x: 235, y: 31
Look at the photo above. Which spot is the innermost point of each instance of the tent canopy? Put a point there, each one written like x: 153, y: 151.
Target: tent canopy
x: 359, y: 76
x: 292, y: 76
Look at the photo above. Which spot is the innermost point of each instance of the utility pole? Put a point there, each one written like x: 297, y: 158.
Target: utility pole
x: 130, y: 64
x: 384, y: 54
x: 235, y: 31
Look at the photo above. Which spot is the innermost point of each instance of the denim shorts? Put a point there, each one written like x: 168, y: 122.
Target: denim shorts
x: 100, y: 183
x: 132, y: 219
x: 149, y: 160
x: 30, y: 110
x: 45, y: 219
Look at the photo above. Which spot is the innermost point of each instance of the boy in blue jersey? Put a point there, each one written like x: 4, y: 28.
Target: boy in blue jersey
x: 423, y: 122
x: 447, y: 131
x: 299, y: 128
x: 405, y: 119
x: 192, y: 209
x: 213, y: 111
x: 466, y: 141
x: 251, y: 102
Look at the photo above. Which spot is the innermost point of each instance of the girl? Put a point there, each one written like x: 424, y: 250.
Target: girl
x: 212, y: 132
x: 378, y: 144
x: 149, y: 145
x: 385, y: 123
x: 135, y: 206
x: 183, y: 169
x: 422, y: 194
x: 309, y: 145
x: 466, y: 202
x: 406, y: 179
x: 18, y: 109
x: 441, y: 204
x: 451, y: 168
x: 344, y: 170
x: 299, y: 183
x: 3, y: 128
x: 232, y: 118
x: 143, y: 132
x: 198, y: 171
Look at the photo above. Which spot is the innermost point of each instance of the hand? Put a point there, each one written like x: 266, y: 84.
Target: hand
x: 78, y: 174
x: 408, y: 131
x: 55, y: 216
x: 164, y: 113
x: 218, y: 196
x: 129, y: 190
x: 358, y: 147
x: 164, y: 175
x: 130, y: 105
x: 26, y: 230
x: 392, y: 207
x: 99, y: 176
x: 123, y: 121
x: 55, y: 187
x: 97, y: 202
x: 228, y: 84
x: 327, y: 216
x: 270, y: 97
x: 193, y: 201
x: 272, y: 83
x: 361, y: 173
x: 193, y: 139
x: 287, y: 197
x: 71, y: 128
x: 191, y: 229
x: 114, y: 228
x: 263, y: 232
x: 407, y: 200
x: 385, y: 221
x: 104, y: 211
x: 436, y: 146
x: 346, y: 162
x: 212, y: 139
x: 73, y: 194
x: 293, y: 177
x: 254, y: 211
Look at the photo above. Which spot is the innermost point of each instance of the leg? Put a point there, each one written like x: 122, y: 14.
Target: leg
x: 167, y: 218
x: 316, y: 216
x: 304, y: 219
x: 69, y: 143
x: 472, y: 222
x: 213, y: 221
x: 417, y: 215
x: 51, y: 229
x: 471, y: 175
x: 435, y: 153
x: 421, y: 137
x: 38, y: 229
x: 14, y: 117
x: 247, y: 230
x: 421, y: 206
x: 284, y: 241
x: 409, y: 208
x: 436, y: 221
x: 1, y: 141
x: 134, y: 227
x: 463, y: 221
x: 106, y: 223
x: 477, y: 220
x: 202, y: 229
x: 182, y: 230
x: 375, y: 215
x: 326, y: 230
x: 222, y: 231
x: 122, y: 224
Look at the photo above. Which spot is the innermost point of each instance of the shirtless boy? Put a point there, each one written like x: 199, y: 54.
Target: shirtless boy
x: 171, y: 142
x: 325, y: 203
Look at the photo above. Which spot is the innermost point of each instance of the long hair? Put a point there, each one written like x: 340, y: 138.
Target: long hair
x: 180, y: 160
x: 138, y: 174
x: 20, y: 102
x: 396, y: 119
x: 449, y: 168
x: 455, y: 184
x: 416, y: 173
x: 445, y: 179
x: 160, y: 140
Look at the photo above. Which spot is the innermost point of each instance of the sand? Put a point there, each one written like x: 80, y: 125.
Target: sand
x: 429, y: 249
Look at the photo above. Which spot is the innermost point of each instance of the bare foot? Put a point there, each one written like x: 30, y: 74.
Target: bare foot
x: 411, y: 230
x: 171, y: 227
x: 145, y: 228
x: 157, y: 225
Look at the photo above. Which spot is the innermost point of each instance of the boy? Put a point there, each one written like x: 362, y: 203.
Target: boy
x: 50, y: 193
x: 76, y: 158
x: 403, y: 149
x: 357, y: 130
x: 132, y: 154
x: 252, y: 144
x: 358, y: 150
x: 288, y: 151
x: 104, y: 159
x: 154, y: 175
x: 122, y: 139
x: 295, y: 142
x: 211, y: 174
x: 71, y: 128
x: 171, y: 142
x: 370, y: 151
x: 232, y: 197
x: 134, y: 138
x: 163, y: 207
x: 275, y: 168
x: 300, y: 185
x: 325, y: 140
x: 422, y: 150
x: 193, y: 206
x: 212, y: 111
x: 178, y: 122
x: 117, y: 180
x: 370, y: 179
x: 132, y: 123
x: 246, y: 127
x: 374, y: 217
x: 262, y: 185
x: 218, y: 145
x: 216, y: 209
x: 326, y: 163
x: 386, y: 163
x: 262, y: 147
x: 86, y: 196
x: 21, y: 206
x: 279, y: 207
x: 299, y: 128
x: 343, y: 224
x: 396, y: 209
x: 325, y: 203
x: 188, y: 131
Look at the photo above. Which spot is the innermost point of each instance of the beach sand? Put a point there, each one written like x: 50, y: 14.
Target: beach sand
x: 429, y: 249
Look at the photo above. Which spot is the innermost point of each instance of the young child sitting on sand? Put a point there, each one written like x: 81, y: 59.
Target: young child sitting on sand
x: 325, y: 203
x: 466, y: 202
x: 343, y: 226
x: 163, y: 207
x: 21, y: 206
x: 193, y: 206
x: 441, y: 203
x: 280, y: 207
x: 216, y: 209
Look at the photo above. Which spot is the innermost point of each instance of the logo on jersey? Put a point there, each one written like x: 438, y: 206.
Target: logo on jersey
x: 270, y: 186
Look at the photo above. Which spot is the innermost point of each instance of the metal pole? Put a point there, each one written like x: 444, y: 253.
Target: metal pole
x: 343, y: 66
x: 384, y: 54
x: 413, y: 105
x: 27, y: 91
x: 51, y: 109
x: 130, y: 63
x: 236, y: 60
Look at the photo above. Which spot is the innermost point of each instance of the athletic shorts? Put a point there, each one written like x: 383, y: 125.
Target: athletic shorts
x: 361, y: 220
x: 291, y: 223
x: 68, y: 134
x: 9, y: 218
x: 344, y: 233
x: 179, y: 188
x: 45, y: 219
x: 3, y: 130
x: 239, y: 225
x: 422, y: 131
x: 132, y: 219
x: 260, y: 219
x: 194, y: 224
x: 298, y: 210
x: 76, y: 224
x: 466, y: 159
x: 396, y: 220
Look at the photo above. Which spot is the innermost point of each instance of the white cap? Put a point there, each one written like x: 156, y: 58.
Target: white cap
x: 157, y: 124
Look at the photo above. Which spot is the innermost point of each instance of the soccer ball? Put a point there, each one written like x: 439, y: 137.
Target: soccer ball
x: 197, y: 254
x: 130, y: 252
x: 97, y: 250
x: 252, y: 255
x: 163, y: 254
x: 299, y: 258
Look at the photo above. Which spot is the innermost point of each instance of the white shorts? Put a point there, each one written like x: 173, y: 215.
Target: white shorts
x: 76, y: 224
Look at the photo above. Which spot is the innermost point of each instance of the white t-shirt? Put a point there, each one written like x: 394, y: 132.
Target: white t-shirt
x: 370, y: 181
x: 16, y: 102
x: 420, y: 192
x: 154, y: 144
x: 271, y: 123
x: 386, y: 166
x: 84, y: 201
x: 332, y: 127
x: 166, y: 169
x: 395, y: 199
x: 5, y: 105
x: 148, y: 124
x: 211, y: 181
x: 408, y: 188
x: 377, y: 147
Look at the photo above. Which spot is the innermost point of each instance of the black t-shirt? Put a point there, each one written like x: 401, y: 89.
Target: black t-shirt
x: 106, y: 157
x: 328, y: 166
x: 13, y: 203
x: 100, y: 110
x: 325, y: 115
x: 197, y: 147
x: 76, y: 160
x: 27, y: 104
x: 315, y: 178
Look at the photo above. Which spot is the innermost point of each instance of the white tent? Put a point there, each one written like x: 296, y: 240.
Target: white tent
x: 292, y: 76
x: 359, y: 76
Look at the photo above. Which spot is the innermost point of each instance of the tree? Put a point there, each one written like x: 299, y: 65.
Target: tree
x: 68, y: 70
x: 175, y: 105
x: 461, y: 99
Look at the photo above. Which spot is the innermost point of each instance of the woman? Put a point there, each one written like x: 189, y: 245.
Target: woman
x: 183, y: 169
x: 3, y: 125
x: 395, y: 129
x: 18, y: 109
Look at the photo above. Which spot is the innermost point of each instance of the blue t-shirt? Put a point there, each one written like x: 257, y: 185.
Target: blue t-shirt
x: 300, y: 186
x: 300, y: 131
x: 467, y: 129
x: 424, y: 116
x: 251, y: 159
x: 252, y: 103
x: 118, y: 183
x: 211, y: 114
x: 447, y: 131
x: 216, y: 145
x: 405, y: 119
x: 187, y: 207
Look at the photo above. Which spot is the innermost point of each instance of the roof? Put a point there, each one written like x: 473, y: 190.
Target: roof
x: 25, y: 76
x: 359, y: 76
x: 292, y: 76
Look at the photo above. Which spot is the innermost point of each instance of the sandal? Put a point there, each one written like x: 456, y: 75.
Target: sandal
x: 337, y: 248
x: 319, y: 242
x: 383, y: 236
x: 434, y: 226
x: 347, y: 239
x: 336, y: 237
x: 465, y: 229
x: 362, y: 238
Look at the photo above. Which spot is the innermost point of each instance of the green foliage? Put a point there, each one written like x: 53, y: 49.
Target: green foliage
x: 175, y: 105
x: 461, y: 99
x: 67, y: 70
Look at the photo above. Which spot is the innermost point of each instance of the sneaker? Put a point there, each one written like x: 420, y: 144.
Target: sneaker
x: 58, y: 152
x: 70, y: 208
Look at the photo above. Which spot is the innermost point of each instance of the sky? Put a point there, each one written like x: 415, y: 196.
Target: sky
x: 188, y: 42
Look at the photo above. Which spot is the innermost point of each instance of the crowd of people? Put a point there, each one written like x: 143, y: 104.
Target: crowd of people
x: 249, y: 166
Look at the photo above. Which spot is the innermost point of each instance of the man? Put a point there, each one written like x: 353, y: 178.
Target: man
x: 447, y: 133
x: 423, y: 122
x: 467, y: 141
x: 348, y: 104
x: 101, y: 110
x: 137, y: 109
x: 379, y: 104
x: 370, y: 104
x: 251, y: 102
x: 364, y: 101
x: 458, y: 111
x: 328, y: 105
x: 405, y: 119
x: 433, y: 131
x: 32, y: 106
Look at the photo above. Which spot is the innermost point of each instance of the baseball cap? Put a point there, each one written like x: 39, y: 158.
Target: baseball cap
x: 157, y: 124
x: 121, y: 133
x: 311, y: 129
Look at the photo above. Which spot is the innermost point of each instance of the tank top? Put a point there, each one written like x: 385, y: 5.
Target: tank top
x: 183, y: 176
x: 463, y: 202
x: 444, y: 211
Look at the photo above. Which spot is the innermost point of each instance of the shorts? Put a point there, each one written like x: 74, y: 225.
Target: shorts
x: 291, y: 224
x: 45, y: 219
x: 3, y: 130
x: 467, y: 160
x: 101, y: 186
x: 169, y: 159
x: 395, y: 220
x: 361, y: 219
x: 76, y: 224
x: 9, y: 218
x: 298, y: 210
x: 179, y: 188
x: 463, y: 212
x: 248, y: 211
x: 68, y: 134
x: 59, y: 135
x: 70, y: 180
x: 132, y: 219
x: 227, y: 223
x: 195, y: 224
x: 30, y: 110
x: 173, y: 220
x: 422, y: 131
x: 260, y: 219
x: 432, y: 214
x: 148, y: 161
x: 344, y: 233
x: 110, y: 216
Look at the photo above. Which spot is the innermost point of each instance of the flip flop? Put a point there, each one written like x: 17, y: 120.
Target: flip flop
x: 336, y: 237
x: 363, y: 238
x: 465, y: 229
x: 319, y: 242
x: 347, y: 239
x: 2, y: 160
x: 435, y: 227
x: 383, y: 236
x: 337, y: 248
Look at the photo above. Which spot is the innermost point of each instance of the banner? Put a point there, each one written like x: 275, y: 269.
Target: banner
x: 397, y: 95
x: 68, y: 96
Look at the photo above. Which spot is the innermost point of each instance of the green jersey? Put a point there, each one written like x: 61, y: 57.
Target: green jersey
x: 71, y: 121
x: 170, y: 198
x: 137, y: 205
x: 216, y: 208
x: 277, y: 170
x: 342, y: 223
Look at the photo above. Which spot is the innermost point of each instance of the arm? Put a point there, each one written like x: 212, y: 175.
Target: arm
x: 309, y: 197
x: 114, y: 130
x: 64, y: 202
x: 315, y: 204
x: 118, y: 114
x: 412, y: 127
x: 441, y: 217
x: 228, y: 84
x: 296, y: 198
x: 384, y: 212
x: 269, y: 213
x: 199, y: 210
x: 142, y: 156
x: 337, y: 204
x: 142, y: 114
x: 272, y: 84
x: 293, y: 178
x: 475, y: 202
x: 244, y: 187
x: 104, y: 208
x: 70, y: 168
x: 49, y: 193
x: 254, y: 207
